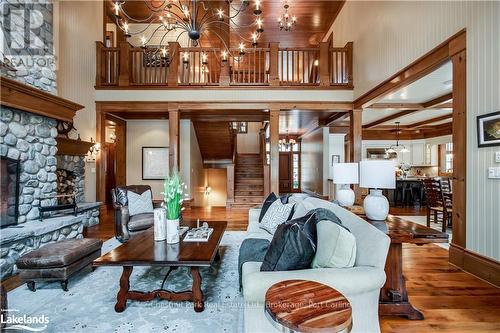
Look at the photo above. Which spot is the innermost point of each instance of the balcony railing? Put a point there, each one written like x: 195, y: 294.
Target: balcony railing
x: 128, y: 67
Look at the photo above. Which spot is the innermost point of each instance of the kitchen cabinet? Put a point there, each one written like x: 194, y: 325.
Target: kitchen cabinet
x: 417, y: 152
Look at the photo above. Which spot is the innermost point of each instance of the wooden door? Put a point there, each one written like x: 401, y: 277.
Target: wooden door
x: 285, y: 172
x: 110, y: 167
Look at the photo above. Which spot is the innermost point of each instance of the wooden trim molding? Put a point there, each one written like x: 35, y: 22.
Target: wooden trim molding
x: 24, y: 97
x: 483, y: 267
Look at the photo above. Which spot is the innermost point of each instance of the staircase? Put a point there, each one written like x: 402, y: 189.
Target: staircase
x: 248, y: 181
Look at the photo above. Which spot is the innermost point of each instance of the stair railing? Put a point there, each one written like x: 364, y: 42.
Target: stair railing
x: 230, y: 173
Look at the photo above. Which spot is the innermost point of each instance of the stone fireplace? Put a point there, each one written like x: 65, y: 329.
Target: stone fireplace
x: 29, y: 139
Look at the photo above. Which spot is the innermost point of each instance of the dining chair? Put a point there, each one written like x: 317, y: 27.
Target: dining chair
x: 438, y: 204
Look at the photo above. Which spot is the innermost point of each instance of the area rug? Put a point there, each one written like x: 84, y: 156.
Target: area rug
x: 88, y: 306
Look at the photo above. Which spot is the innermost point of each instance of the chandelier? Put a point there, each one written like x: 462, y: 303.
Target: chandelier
x: 397, y: 148
x: 194, y: 18
x: 286, y: 143
x: 285, y: 20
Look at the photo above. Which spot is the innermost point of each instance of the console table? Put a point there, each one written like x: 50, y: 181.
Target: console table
x: 393, y: 295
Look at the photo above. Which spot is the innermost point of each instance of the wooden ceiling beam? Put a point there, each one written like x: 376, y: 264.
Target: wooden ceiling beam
x: 429, y: 121
x: 388, y: 118
x: 339, y: 116
x: 399, y: 106
x: 437, y: 101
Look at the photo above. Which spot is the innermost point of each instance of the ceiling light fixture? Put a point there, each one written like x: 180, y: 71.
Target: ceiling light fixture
x: 287, y: 143
x: 397, y: 148
x: 286, y: 20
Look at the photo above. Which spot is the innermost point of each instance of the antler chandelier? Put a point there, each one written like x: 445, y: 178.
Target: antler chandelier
x: 179, y: 17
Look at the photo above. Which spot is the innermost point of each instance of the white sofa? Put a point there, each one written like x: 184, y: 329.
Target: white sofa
x: 360, y: 284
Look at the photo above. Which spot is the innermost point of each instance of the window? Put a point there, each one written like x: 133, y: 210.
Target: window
x: 295, y: 172
x: 448, y: 158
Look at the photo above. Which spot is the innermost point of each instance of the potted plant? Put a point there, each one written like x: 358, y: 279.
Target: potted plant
x: 173, y: 196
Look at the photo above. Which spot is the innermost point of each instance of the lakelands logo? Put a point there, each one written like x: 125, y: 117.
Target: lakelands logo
x: 23, y: 322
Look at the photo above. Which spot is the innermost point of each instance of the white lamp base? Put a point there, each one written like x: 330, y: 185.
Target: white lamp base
x: 345, y: 196
x: 376, y: 206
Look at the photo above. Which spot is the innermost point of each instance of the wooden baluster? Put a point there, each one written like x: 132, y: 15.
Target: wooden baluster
x: 100, y: 69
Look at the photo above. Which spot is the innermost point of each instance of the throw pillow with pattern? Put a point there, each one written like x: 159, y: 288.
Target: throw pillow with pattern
x: 139, y: 203
x: 277, y: 214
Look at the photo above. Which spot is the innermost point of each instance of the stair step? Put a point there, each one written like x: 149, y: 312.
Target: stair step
x: 248, y: 199
x: 249, y: 187
x: 249, y: 181
x: 249, y: 193
x: 241, y: 205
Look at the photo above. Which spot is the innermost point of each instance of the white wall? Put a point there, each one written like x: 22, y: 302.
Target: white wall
x: 336, y: 147
x: 390, y: 35
x: 249, y: 143
x: 144, y: 133
x: 80, y: 26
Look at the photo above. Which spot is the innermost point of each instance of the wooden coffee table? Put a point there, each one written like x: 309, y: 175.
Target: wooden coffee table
x: 142, y: 250
x: 307, y: 306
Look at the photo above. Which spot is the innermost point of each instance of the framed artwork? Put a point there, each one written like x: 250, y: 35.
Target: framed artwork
x: 335, y: 159
x: 154, y: 163
x: 488, y: 129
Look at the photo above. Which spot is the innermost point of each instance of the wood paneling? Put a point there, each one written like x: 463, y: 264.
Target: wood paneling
x: 27, y: 98
x: 214, y: 139
x: 481, y: 266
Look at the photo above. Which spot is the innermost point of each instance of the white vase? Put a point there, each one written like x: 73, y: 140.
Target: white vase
x: 160, y: 224
x: 173, y: 231
x: 376, y: 206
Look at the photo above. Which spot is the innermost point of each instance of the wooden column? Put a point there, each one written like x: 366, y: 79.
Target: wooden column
x: 324, y: 64
x: 100, y: 163
x: 458, y: 59
x: 100, y: 69
x: 124, y: 76
x: 274, y: 79
x: 349, y: 49
x: 173, y: 131
x: 355, y: 132
x: 274, y: 123
x: 174, y: 50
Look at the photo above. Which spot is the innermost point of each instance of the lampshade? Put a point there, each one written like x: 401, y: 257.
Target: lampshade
x: 345, y: 173
x: 377, y: 174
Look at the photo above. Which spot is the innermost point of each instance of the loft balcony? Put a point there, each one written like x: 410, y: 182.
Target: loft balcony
x: 128, y: 67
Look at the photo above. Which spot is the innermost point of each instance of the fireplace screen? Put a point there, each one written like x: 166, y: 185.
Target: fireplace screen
x: 9, y: 195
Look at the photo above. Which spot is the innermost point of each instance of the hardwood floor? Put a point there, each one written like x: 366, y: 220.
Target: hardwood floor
x: 451, y: 300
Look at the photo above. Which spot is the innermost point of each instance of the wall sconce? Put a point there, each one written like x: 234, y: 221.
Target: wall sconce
x: 95, y: 148
x: 208, y: 189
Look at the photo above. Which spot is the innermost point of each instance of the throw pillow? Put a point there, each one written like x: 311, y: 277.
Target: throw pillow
x: 139, y: 203
x: 277, y: 214
x: 336, y: 246
x: 267, y: 203
x: 292, y: 246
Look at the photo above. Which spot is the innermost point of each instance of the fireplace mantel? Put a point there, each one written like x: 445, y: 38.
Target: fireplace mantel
x: 24, y: 97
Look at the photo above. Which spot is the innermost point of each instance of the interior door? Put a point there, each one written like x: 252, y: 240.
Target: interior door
x: 285, y: 168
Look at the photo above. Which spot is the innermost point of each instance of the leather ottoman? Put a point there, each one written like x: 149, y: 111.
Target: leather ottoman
x: 58, y: 261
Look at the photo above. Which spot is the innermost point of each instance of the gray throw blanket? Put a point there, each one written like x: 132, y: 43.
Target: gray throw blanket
x: 252, y: 249
x: 255, y: 250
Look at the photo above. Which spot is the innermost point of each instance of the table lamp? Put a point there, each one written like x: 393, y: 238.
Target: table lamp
x: 377, y: 175
x: 345, y: 174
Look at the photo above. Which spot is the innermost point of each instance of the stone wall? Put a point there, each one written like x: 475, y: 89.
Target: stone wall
x: 31, y: 139
x: 75, y: 164
x: 28, y: 42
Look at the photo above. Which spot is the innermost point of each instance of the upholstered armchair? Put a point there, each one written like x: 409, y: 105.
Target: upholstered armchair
x: 126, y: 225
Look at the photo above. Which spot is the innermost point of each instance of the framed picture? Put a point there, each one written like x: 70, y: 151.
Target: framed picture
x: 154, y: 163
x: 335, y: 159
x: 488, y: 130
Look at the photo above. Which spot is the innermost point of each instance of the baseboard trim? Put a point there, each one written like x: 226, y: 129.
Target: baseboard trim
x: 485, y: 268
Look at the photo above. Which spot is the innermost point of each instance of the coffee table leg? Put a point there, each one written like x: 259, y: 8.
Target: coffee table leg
x: 199, y: 305
x: 121, y: 298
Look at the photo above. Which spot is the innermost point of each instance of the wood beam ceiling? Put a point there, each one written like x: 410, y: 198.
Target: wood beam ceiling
x: 429, y: 121
x: 389, y: 118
